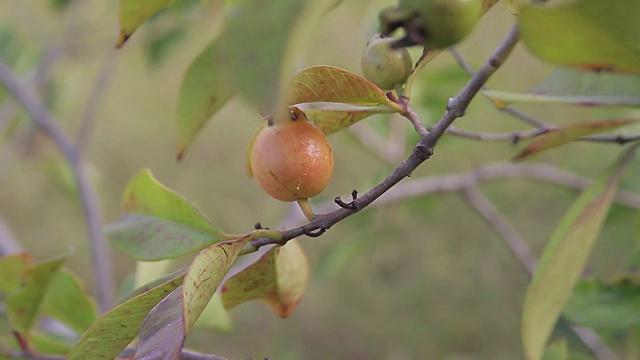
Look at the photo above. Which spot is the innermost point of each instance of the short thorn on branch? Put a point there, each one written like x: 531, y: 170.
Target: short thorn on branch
x: 350, y: 205
x: 312, y: 233
x: 258, y: 226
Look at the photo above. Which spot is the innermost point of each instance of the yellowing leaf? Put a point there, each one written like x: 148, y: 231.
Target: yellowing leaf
x: 591, y: 34
x: 324, y: 83
x: 568, y: 133
x: 565, y: 256
x: 133, y: 13
x: 204, y: 276
x: 278, y: 278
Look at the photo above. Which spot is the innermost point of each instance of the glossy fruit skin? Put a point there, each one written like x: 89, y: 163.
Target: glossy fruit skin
x: 436, y: 24
x: 383, y: 65
x: 292, y: 160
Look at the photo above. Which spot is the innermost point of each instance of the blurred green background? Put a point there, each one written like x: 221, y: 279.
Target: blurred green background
x: 422, y: 279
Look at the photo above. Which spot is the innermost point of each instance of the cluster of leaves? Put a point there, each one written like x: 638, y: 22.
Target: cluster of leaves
x: 160, y: 224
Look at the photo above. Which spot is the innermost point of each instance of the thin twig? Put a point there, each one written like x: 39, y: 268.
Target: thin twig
x: 413, y: 117
x: 540, y: 125
x: 516, y: 243
x: 89, y: 200
x: 516, y: 113
x: 457, y: 106
x: 455, y: 182
x: 512, y: 237
x: 513, y: 137
x: 421, y: 152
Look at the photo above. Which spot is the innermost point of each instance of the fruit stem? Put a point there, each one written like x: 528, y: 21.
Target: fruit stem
x: 249, y: 248
x: 422, y: 61
x: 305, y: 206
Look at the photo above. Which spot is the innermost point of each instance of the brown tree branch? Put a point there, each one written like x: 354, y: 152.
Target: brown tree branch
x: 456, y: 182
x: 421, y: 152
x: 88, y: 197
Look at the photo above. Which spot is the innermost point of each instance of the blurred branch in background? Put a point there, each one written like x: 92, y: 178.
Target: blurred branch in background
x: 516, y: 243
x: 41, y: 117
x: 458, y: 182
x: 541, y: 127
x: 8, y: 242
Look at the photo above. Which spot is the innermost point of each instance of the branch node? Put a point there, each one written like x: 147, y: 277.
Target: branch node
x: 423, y: 152
x: 516, y: 138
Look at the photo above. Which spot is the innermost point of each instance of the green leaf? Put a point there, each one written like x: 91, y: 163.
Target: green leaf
x: 324, y: 83
x: 251, y: 56
x: 331, y: 117
x: 590, y: 34
x: 607, y: 307
x: 576, y: 87
x: 24, y: 303
x: 564, y: 258
x: 50, y: 344
x: 68, y: 302
x: 203, y: 93
x: 259, y: 62
x: 278, y: 278
x: 11, y: 267
x: 568, y: 133
x: 204, y: 276
x: 160, y: 223
x: 133, y: 13
x: 557, y: 351
x: 145, y: 195
x: 149, y: 238
x: 110, y: 334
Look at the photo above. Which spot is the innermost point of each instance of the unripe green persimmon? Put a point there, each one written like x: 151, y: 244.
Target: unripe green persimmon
x: 446, y: 22
x: 292, y: 160
x: 436, y: 24
x: 383, y: 65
